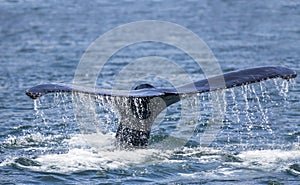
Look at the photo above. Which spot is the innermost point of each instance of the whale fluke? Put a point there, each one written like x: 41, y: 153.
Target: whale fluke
x: 146, y: 101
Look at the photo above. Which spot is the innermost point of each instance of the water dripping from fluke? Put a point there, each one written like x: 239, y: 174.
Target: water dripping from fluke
x: 138, y: 108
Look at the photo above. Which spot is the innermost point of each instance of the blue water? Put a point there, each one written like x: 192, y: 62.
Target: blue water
x: 259, y: 142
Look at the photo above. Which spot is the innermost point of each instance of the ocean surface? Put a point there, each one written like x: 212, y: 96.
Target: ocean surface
x: 41, y: 142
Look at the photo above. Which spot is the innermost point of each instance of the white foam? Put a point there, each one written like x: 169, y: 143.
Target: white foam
x: 268, y: 159
x: 27, y: 140
x: 252, y: 164
x: 98, y: 152
x: 95, y: 152
x: 84, y: 159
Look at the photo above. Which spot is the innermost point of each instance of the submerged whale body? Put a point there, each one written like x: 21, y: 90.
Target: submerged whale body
x: 146, y: 101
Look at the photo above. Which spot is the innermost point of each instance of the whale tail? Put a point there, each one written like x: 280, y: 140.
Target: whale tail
x: 146, y: 101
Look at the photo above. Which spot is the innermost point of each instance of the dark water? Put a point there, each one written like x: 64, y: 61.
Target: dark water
x: 44, y: 41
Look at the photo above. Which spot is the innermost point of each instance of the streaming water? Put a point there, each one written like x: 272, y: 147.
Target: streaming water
x: 249, y: 111
x: 44, y: 142
x: 243, y: 144
x: 246, y: 127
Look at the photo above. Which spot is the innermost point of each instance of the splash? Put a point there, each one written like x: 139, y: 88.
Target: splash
x: 59, y: 145
x: 97, y: 155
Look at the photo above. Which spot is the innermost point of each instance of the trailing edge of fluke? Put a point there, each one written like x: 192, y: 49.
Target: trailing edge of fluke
x: 136, y: 130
